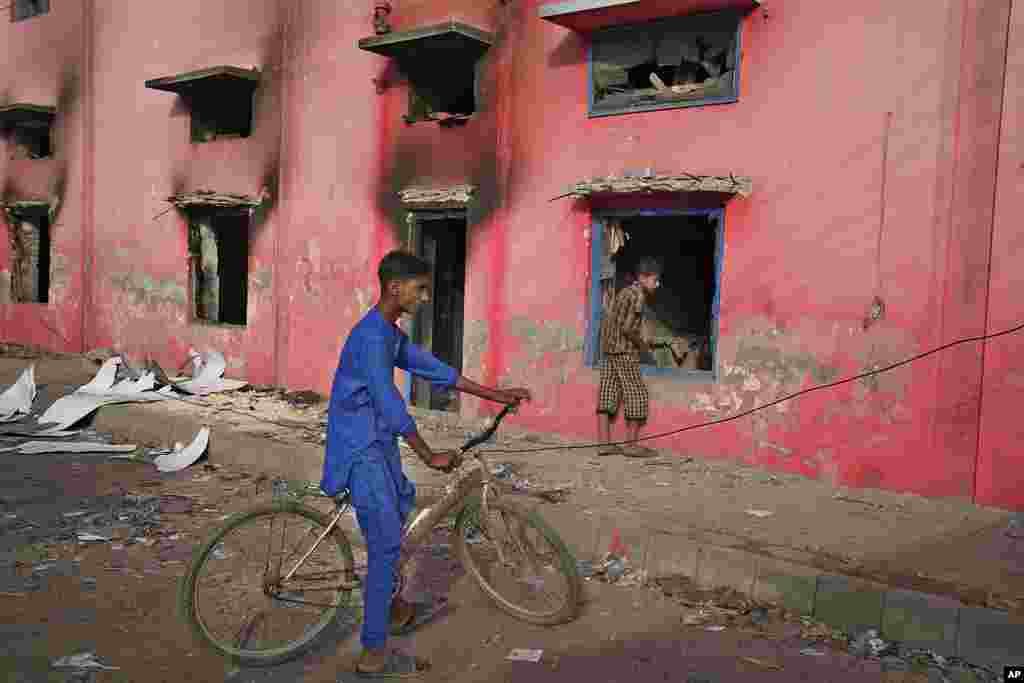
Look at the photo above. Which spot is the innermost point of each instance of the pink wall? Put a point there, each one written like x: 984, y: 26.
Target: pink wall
x: 1000, y: 459
x: 861, y: 125
x: 41, y: 64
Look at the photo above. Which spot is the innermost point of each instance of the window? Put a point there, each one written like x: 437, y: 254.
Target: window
x: 27, y: 128
x: 677, y: 62
x: 31, y: 142
x: 219, y: 98
x: 219, y: 257
x: 681, y: 317
x: 454, y: 102
x: 213, y: 117
x: 29, y: 233
x: 440, y: 63
x: 26, y: 9
x: 439, y: 237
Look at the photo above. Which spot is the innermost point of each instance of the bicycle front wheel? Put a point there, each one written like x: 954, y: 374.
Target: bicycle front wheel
x: 238, y: 599
x: 519, y: 561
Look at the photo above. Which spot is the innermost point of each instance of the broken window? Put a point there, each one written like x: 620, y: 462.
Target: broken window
x: 219, y: 257
x: 680, y: 318
x: 676, y: 62
x: 26, y: 9
x: 219, y: 98
x: 29, y: 233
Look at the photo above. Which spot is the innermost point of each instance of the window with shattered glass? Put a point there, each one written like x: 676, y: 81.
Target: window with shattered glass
x: 676, y: 62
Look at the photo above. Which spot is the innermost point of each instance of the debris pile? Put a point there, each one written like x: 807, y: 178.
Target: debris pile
x: 505, y: 474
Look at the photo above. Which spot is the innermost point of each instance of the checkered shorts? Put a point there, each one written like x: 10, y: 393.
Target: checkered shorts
x: 621, y: 381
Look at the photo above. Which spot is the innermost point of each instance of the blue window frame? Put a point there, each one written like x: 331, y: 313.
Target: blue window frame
x: 592, y: 347
x: 697, y: 58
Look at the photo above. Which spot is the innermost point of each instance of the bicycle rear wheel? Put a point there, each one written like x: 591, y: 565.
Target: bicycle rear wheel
x: 234, y: 595
x: 519, y: 561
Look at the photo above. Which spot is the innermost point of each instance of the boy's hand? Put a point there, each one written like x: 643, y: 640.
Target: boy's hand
x: 513, y: 396
x: 445, y: 461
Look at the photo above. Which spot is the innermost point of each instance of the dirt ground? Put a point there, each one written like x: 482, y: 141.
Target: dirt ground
x: 128, y: 616
x: 126, y: 613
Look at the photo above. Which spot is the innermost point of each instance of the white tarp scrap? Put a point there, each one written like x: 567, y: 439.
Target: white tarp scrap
x: 208, y: 375
x: 180, y: 458
x: 99, y: 391
x: 39, y: 447
x: 17, y: 400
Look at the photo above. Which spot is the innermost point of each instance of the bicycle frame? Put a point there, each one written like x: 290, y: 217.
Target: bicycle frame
x: 416, y: 531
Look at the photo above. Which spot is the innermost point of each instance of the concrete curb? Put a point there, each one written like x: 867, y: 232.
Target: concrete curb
x: 983, y: 636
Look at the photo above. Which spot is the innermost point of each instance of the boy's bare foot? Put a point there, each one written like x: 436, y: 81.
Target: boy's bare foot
x: 372, y: 660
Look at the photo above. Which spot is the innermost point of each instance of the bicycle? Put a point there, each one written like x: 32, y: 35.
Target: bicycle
x: 243, y: 580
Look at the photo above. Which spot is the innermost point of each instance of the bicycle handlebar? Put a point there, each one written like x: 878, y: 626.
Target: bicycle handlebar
x: 489, y: 432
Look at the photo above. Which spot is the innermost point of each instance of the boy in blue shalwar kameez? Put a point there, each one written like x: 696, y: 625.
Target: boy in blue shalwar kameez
x: 366, y: 413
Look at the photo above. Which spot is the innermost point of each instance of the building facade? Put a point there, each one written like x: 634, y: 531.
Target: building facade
x: 831, y: 190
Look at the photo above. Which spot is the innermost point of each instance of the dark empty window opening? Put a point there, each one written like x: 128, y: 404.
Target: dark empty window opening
x: 440, y: 238
x: 30, y: 141
x: 677, y: 62
x: 30, y: 258
x: 219, y: 256
x: 221, y: 117
x: 440, y: 63
x: 680, y: 317
x: 26, y: 9
x: 440, y: 99
x: 220, y: 100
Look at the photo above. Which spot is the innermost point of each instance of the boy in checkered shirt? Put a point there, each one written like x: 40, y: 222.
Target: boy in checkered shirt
x: 621, y: 346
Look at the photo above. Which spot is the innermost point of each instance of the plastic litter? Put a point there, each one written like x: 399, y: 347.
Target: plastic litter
x: 758, y: 616
x: 868, y: 644
x: 760, y: 513
x: 716, y: 628
x: 585, y: 568
x: 522, y: 655
x: 615, y: 567
x: 82, y: 660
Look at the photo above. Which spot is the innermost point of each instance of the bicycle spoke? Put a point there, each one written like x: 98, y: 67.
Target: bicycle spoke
x: 247, y: 630
x: 246, y: 610
x: 518, y: 566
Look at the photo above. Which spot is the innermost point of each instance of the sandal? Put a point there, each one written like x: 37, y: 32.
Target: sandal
x: 423, y: 612
x: 641, y: 452
x: 398, y: 665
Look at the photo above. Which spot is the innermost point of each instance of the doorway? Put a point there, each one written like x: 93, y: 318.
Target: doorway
x: 439, y: 237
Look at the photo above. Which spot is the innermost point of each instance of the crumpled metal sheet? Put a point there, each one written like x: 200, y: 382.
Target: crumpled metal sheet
x: 180, y: 458
x: 98, y: 392
x: 17, y: 400
x: 39, y: 447
x: 208, y: 375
